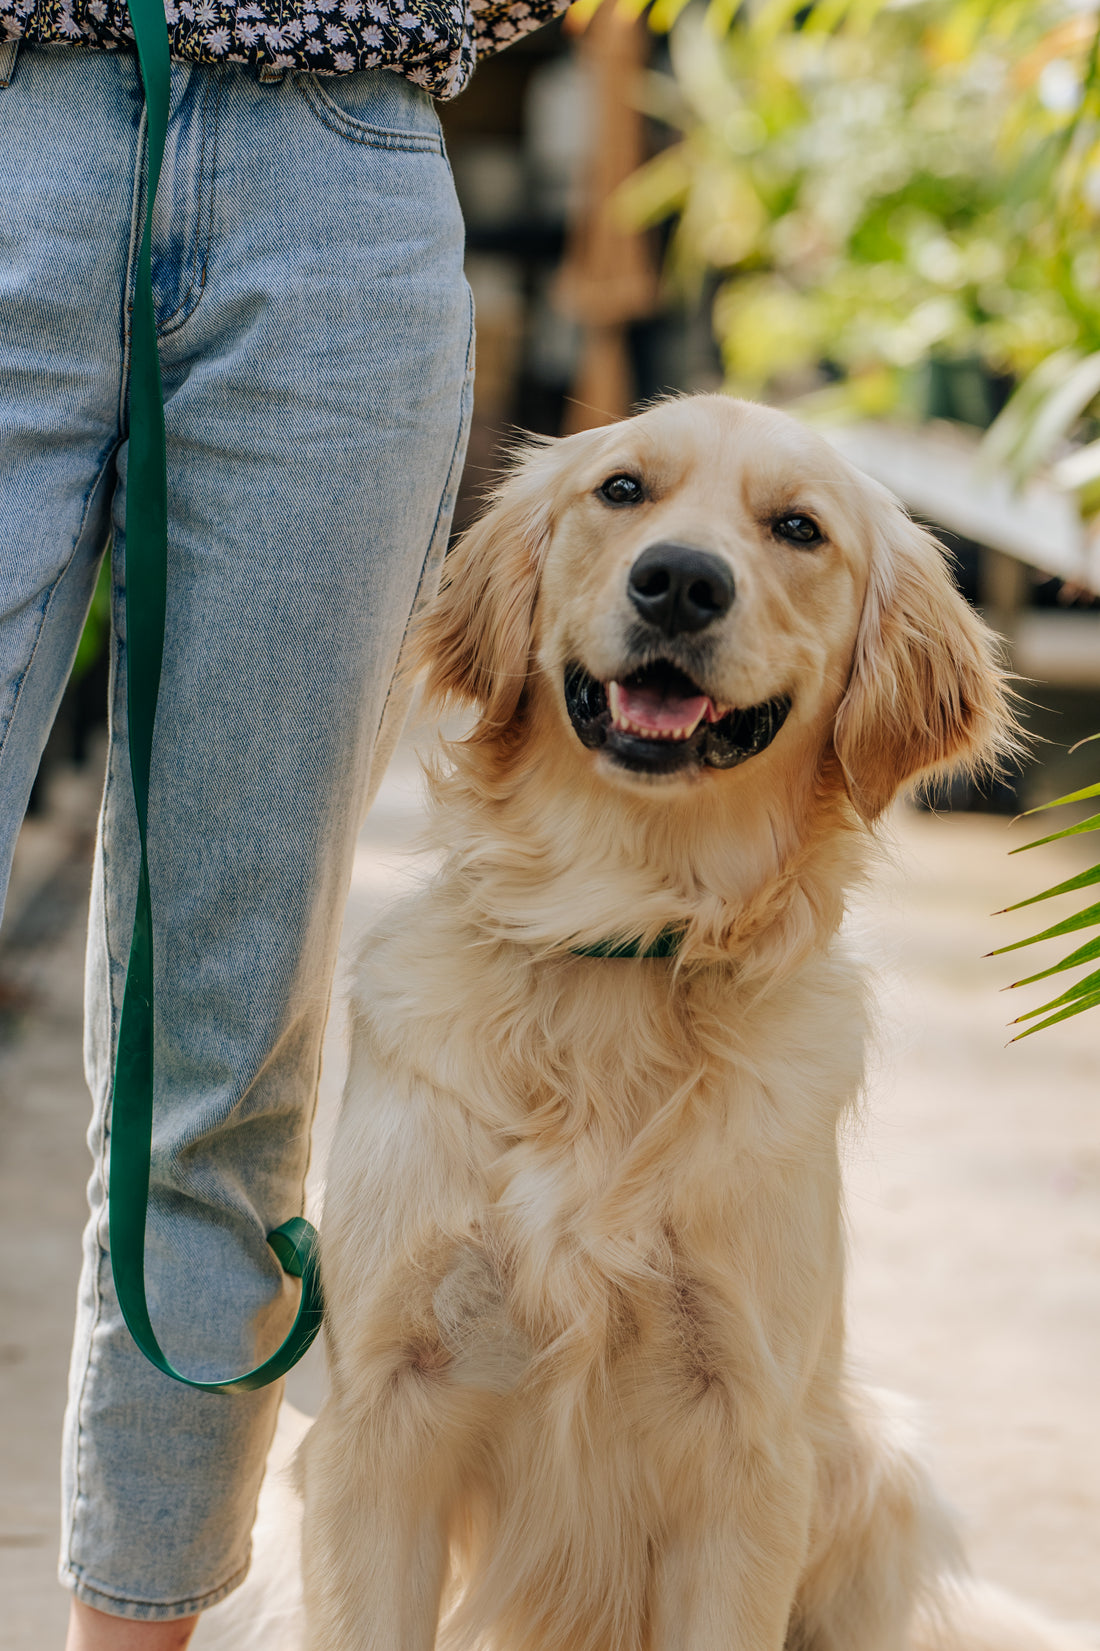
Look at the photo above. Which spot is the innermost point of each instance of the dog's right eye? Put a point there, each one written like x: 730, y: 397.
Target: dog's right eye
x: 621, y: 489
x: 798, y: 530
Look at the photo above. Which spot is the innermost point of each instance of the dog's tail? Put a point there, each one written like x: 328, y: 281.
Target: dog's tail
x: 966, y: 1615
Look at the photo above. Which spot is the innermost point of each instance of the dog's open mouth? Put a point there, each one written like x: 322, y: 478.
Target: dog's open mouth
x: 657, y: 720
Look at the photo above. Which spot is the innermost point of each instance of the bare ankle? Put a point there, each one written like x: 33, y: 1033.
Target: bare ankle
x: 92, y: 1630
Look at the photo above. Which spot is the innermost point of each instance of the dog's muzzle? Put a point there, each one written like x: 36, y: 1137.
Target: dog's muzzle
x: 657, y: 720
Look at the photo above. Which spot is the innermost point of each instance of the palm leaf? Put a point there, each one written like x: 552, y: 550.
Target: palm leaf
x: 1087, y: 919
x: 1063, y: 1014
x: 1081, y: 796
x: 1083, y: 880
x: 1088, y: 987
x: 1091, y: 824
x: 1084, y: 993
x: 1084, y: 954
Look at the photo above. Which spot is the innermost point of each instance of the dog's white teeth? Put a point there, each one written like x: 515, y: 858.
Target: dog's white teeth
x: 627, y: 724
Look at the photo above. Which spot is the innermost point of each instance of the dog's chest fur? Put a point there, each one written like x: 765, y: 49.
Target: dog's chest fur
x: 555, y: 1205
x: 619, y: 1166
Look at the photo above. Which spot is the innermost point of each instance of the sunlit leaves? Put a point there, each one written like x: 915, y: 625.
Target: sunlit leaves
x: 1043, y: 412
x: 907, y: 179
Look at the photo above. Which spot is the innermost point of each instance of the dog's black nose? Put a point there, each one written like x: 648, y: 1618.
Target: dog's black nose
x: 679, y: 589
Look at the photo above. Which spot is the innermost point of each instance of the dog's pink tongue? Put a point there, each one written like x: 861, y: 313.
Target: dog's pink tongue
x: 661, y: 713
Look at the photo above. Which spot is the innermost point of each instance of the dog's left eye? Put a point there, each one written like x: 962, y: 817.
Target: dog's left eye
x: 798, y: 529
x: 621, y: 489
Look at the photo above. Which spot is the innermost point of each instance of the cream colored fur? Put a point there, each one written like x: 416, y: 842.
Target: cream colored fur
x: 583, y: 1245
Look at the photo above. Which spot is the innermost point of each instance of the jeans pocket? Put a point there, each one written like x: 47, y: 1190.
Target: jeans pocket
x: 376, y: 107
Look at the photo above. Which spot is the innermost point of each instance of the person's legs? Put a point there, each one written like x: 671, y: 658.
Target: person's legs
x: 65, y: 225
x: 315, y: 334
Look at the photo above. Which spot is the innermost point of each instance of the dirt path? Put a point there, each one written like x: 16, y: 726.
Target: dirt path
x: 974, y: 1194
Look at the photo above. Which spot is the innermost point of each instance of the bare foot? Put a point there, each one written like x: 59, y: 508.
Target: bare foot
x: 91, y: 1630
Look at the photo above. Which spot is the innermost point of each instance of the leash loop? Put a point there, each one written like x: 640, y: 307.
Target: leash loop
x: 295, y: 1242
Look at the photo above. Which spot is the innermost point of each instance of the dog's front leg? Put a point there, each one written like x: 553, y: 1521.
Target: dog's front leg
x: 725, y: 1577
x: 385, y: 1461
x: 375, y: 1532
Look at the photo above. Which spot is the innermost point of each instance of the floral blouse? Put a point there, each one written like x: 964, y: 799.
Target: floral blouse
x: 434, y: 43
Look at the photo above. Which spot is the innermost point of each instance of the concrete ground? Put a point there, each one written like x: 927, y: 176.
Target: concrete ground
x: 974, y: 1195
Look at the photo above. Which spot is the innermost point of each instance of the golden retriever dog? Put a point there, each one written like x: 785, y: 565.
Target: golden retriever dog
x: 583, y: 1248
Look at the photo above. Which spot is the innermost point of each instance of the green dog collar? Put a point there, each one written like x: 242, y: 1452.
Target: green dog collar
x: 667, y: 944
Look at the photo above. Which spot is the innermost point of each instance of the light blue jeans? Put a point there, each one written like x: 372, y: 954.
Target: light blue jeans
x: 316, y: 340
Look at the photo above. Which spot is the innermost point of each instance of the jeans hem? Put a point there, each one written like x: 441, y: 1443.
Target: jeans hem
x: 144, y: 1610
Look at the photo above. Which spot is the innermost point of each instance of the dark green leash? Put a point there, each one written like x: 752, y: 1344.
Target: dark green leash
x: 294, y: 1243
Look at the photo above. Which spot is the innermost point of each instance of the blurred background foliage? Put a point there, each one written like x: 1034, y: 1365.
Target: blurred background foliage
x: 894, y: 206
x: 894, y: 202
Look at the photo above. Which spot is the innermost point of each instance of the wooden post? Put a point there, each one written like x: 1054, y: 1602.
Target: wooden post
x: 608, y: 276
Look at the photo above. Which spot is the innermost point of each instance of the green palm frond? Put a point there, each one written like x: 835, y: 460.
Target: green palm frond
x: 1084, y: 993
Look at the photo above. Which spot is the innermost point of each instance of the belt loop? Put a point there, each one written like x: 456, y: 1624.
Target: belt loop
x: 8, y: 53
x: 271, y: 74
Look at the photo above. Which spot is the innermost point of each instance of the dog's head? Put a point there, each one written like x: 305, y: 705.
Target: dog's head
x: 708, y: 589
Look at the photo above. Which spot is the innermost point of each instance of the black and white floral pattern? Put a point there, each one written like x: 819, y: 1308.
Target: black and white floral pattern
x: 434, y: 43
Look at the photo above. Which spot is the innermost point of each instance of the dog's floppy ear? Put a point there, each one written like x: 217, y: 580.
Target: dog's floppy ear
x: 474, y: 640
x: 927, y: 694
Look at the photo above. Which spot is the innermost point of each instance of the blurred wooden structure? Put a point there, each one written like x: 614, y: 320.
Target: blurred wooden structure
x: 608, y: 277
